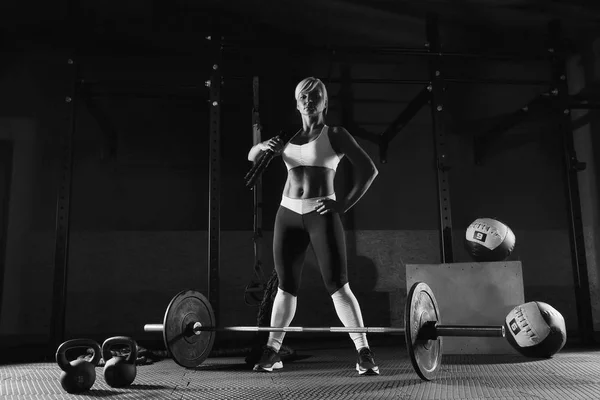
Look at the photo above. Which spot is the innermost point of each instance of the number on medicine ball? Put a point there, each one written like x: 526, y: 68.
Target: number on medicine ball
x: 479, y: 236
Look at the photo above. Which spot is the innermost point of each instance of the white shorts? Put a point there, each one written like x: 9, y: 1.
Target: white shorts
x: 303, y: 206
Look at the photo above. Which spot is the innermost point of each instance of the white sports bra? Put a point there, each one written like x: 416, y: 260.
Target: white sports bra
x: 316, y: 153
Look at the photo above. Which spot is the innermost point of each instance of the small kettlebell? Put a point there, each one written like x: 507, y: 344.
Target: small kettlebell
x: 119, y: 371
x: 78, y: 375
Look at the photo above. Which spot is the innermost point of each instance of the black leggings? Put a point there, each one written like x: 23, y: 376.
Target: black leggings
x: 293, y: 233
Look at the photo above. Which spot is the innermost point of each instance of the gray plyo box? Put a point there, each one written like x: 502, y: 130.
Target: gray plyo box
x: 472, y: 294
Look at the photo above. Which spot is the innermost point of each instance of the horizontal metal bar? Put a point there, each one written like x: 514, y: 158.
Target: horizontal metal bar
x: 470, y: 330
x: 440, y: 330
x: 419, y: 52
x: 142, y: 89
x: 500, y: 81
x: 390, y: 50
x: 450, y: 79
x: 385, y: 81
x: 457, y: 54
x: 303, y: 329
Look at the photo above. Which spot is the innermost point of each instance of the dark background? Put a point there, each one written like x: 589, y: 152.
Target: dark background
x: 139, y: 200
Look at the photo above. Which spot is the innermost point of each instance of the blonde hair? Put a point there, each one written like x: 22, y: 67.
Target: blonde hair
x: 309, y: 84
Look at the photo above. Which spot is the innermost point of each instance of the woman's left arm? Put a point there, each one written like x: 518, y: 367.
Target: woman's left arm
x: 364, y: 168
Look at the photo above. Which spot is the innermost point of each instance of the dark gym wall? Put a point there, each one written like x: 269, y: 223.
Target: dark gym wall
x: 32, y: 87
x: 583, y: 77
x: 139, y: 199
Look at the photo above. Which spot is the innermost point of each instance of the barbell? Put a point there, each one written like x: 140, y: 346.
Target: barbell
x: 188, y: 329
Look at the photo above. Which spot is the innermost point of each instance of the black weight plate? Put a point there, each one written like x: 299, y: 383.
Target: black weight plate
x: 421, y: 308
x: 188, y: 349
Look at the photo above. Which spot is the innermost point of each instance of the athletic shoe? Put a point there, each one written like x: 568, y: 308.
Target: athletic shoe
x: 366, y: 364
x: 269, y: 360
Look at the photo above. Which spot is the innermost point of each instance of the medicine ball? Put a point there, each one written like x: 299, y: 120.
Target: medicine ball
x: 488, y: 239
x: 536, y: 329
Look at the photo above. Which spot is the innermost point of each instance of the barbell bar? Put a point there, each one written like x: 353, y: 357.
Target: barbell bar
x: 189, y: 325
x: 438, y: 330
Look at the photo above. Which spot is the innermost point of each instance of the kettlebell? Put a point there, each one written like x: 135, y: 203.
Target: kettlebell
x: 119, y: 371
x: 78, y: 375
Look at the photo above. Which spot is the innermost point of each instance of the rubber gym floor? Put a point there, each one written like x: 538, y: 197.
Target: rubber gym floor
x: 325, y: 370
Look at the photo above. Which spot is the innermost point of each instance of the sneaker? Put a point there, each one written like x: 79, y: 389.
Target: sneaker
x: 365, y: 364
x: 269, y: 360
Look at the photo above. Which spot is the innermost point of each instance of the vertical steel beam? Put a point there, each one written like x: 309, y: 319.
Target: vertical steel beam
x: 257, y: 138
x: 6, y: 169
x: 437, y: 88
x: 346, y: 94
x: 63, y: 207
x: 255, y: 290
x: 572, y: 167
x: 214, y: 177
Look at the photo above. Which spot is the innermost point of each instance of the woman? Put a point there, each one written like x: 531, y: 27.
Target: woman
x: 310, y: 214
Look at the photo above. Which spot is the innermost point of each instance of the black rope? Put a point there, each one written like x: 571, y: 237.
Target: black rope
x: 266, y: 305
x: 264, y: 160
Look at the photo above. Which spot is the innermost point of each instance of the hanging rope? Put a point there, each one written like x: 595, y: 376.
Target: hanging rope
x: 253, y: 294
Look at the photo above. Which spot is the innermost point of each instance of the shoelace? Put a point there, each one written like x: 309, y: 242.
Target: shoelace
x: 366, y: 353
x: 267, y: 350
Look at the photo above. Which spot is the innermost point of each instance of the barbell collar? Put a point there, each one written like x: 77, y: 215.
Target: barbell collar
x: 154, y: 328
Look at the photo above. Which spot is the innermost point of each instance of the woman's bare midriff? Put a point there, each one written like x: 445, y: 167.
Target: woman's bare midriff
x: 309, y: 182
